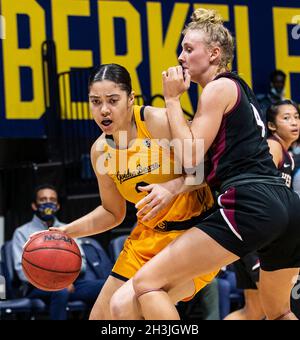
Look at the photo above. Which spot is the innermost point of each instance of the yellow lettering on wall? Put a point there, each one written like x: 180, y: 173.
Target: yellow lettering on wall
x: 108, y: 10
x: 289, y: 64
x: 163, y: 50
x: 14, y: 58
x: 243, y: 51
x: 66, y: 58
x: 61, y: 11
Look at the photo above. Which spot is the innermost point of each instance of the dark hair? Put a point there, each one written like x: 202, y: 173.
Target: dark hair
x: 276, y: 73
x: 113, y: 72
x: 42, y: 187
x: 272, y: 110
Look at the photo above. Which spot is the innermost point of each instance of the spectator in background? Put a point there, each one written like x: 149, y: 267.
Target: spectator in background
x: 276, y: 91
x: 86, y: 288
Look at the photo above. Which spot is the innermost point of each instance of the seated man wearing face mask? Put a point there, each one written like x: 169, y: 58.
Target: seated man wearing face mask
x: 88, y: 285
x: 275, y: 94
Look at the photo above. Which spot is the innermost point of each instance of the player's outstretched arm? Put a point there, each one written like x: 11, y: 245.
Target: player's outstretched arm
x: 110, y: 214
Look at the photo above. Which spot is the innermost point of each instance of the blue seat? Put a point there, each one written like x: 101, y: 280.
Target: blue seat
x: 13, y: 306
x: 236, y: 294
x: 96, y: 257
x: 15, y: 303
x: 229, y: 294
x: 21, y: 305
x: 76, y: 306
x: 116, y: 245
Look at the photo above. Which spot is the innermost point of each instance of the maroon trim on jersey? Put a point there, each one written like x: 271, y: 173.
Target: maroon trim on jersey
x: 238, y: 98
x: 285, y: 155
x: 217, y: 150
x: 227, y: 201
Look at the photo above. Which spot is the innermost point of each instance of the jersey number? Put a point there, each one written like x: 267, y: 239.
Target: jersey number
x: 259, y: 121
x: 140, y: 184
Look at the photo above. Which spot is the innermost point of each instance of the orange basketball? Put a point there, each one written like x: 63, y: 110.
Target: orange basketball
x: 51, y: 260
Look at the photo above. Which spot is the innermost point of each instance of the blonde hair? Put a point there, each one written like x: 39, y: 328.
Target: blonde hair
x: 210, y: 22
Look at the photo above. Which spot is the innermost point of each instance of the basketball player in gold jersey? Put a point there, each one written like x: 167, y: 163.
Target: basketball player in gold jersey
x: 145, y: 162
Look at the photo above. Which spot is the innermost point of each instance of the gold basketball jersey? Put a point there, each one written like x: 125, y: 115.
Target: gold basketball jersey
x: 145, y: 162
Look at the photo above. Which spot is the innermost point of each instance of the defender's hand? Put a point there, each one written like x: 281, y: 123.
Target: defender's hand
x: 158, y: 198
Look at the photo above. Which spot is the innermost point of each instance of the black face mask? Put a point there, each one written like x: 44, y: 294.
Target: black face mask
x: 46, y: 211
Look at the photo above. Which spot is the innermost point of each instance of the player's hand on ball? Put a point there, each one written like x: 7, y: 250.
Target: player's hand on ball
x: 62, y: 229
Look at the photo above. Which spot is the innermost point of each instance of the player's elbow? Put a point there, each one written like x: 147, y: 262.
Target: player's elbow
x: 119, y: 219
x: 116, y: 214
x: 119, y: 215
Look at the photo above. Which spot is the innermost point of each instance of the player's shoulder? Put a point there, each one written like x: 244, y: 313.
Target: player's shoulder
x: 157, y: 122
x: 221, y: 93
x: 221, y: 85
x: 275, y: 146
x: 155, y: 113
x: 274, y: 142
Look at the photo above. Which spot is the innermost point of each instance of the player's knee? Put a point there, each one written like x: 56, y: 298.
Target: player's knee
x: 120, y: 307
x: 139, y: 284
x: 143, y: 284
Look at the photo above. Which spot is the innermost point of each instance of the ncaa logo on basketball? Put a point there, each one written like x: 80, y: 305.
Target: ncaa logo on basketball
x: 57, y: 238
x: 296, y: 29
x: 2, y: 27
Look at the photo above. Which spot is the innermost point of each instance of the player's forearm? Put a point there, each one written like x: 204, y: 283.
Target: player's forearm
x: 184, y: 143
x: 188, y: 185
x: 181, y: 185
x: 179, y: 127
x: 98, y: 221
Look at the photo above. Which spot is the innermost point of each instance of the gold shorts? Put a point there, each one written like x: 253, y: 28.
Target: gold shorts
x: 143, y: 244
